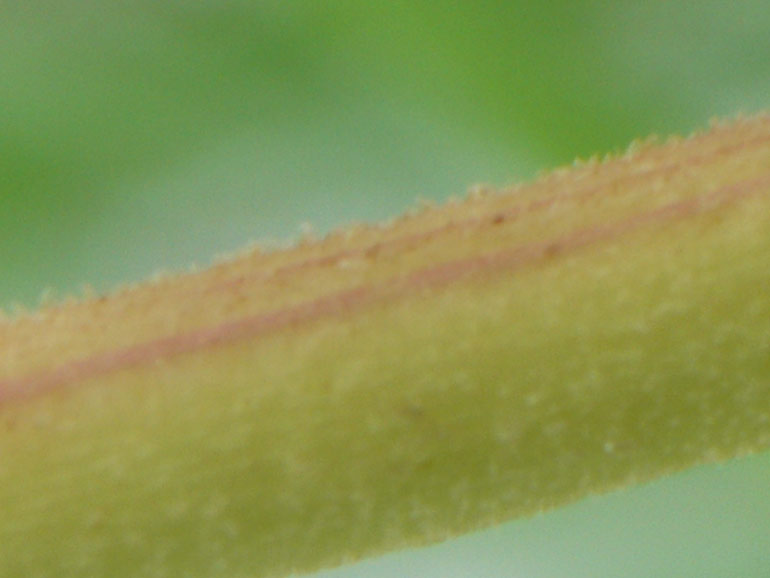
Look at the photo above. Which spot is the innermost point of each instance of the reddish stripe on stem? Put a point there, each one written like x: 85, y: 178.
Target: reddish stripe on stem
x: 349, y: 300
x: 509, y: 214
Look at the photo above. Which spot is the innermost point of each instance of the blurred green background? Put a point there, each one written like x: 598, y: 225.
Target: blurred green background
x: 144, y: 136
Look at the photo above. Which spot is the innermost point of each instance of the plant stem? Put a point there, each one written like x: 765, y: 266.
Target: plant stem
x: 394, y: 385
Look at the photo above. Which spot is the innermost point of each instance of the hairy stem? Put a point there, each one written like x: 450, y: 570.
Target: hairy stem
x: 398, y: 384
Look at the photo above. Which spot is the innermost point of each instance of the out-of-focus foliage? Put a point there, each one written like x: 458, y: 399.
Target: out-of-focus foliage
x: 143, y: 136
x: 139, y: 136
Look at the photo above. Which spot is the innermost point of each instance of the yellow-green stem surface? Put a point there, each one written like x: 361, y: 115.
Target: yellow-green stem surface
x: 394, y: 385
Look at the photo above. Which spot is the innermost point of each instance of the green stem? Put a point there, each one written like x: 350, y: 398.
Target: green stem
x: 391, y: 386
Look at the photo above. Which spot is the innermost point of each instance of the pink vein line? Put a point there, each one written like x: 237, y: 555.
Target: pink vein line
x: 509, y: 260
x: 503, y: 214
